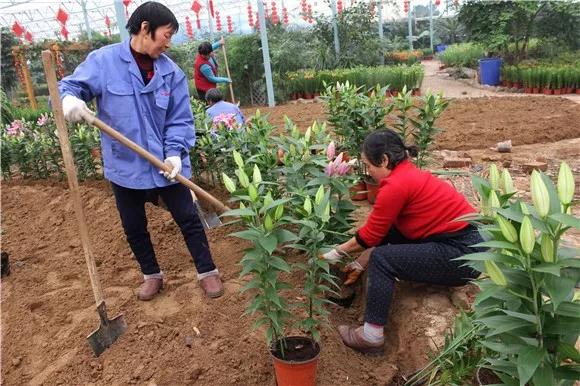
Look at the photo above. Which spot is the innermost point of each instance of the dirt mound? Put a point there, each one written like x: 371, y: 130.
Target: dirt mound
x: 48, y: 307
x: 476, y: 123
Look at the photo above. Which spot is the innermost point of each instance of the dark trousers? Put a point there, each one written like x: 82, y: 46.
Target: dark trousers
x: 424, y: 261
x: 201, y: 95
x: 131, y: 206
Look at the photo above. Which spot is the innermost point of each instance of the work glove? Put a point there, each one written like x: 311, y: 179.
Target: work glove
x: 73, y: 108
x: 333, y: 256
x: 175, y: 163
x: 353, y: 271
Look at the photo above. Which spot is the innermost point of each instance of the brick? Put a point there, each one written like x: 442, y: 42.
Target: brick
x: 534, y: 165
x: 456, y: 162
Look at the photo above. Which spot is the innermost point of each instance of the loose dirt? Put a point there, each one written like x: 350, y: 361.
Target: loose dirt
x: 181, y: 337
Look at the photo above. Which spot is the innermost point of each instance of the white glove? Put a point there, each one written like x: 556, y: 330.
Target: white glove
x: 333, y: 256
x: 175, y: 163
x: 73, y: 108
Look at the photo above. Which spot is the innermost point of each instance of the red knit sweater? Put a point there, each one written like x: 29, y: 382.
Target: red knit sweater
x: 417, y: 203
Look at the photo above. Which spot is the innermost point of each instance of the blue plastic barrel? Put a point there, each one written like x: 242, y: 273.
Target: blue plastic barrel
x: 440, y: 48
x: 489, y: 71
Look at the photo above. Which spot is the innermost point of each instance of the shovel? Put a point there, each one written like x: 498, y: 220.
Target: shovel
x: 110, y: 329
x: 228, y: 72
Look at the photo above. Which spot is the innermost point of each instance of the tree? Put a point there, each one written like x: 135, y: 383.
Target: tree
x: 450, y: 30
x: 8, y: 40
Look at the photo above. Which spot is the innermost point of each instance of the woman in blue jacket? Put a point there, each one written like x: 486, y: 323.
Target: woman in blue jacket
x: 143, y: 94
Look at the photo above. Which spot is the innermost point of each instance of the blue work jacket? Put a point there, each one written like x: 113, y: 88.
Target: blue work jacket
x: 223, y: 107
x: 156, y: 116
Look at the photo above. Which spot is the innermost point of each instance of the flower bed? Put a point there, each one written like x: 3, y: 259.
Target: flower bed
x: 309, y: 83
x: 462, y: 55
x: 547, y: 79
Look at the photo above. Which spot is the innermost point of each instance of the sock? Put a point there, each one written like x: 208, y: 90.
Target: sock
x: 373, y: 333
x: 201, y: 276
x: 154, y: 276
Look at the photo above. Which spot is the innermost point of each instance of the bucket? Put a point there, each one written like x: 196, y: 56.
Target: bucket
x: 296, y: 372
x: 489, y: 71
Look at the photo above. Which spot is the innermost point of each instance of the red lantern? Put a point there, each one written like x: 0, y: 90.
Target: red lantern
x: 197, y: 21
x: 437, y: 3
x: 310, y: 20
x: 250, y: 16
x: 285, y: 16
x: 108, y: 24
x: 64, y: 32
x: 126, y: 4
x: 188, y: 28
x: 28, y: 36
x: 61, y: 16
x: 218, y: 21
x: 257, y: 23
x: 406, y: 6
x: 196, y: 6
x: 339, y: 6
x: 17, y: 29
x: 211, y: 8
x: 230, y: 24
x: 275, y: 18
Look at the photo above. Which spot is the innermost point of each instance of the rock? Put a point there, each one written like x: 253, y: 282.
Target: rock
x: 456, y: 162
x: 188, y: 341
x: 437, y: 302
x: 504, y: 147
x: 460, y: 300
x: 449, y: 154
x: 541, y: 158
x: 141, y: 324
x: 195, y: 374
x: 506, y: 162
x: 16, y: 361
x: 137, y: 371
x: 529, y: 167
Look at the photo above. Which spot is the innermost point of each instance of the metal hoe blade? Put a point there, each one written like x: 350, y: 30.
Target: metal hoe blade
x: 108, y: 332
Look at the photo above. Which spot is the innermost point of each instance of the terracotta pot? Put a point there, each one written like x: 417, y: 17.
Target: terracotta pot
x: 395, y: 92
x: 548, y: 91
x: 358, y: 191
x: 372, y: 190
x: 578, y: 91
x: 316, y: 94
x: 535, y: 90
x: 517, y: 85
x: 508, y: 84
x: 388, y: 94
x: 416, y: 92
x: 528, y: 90
x: 569, y: 90
x: 558, y: 91
x: 308, y: 95
x: 298, y: 371
x: 504, y: 83
x: 294, y: 96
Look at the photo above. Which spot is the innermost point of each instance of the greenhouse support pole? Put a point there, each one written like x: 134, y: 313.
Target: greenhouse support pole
x: 335, y: 27
x: 266, y: 54
x: 209, y: 22
x: 380, y: 11
x: 431, y: 24
x: 121, y: 20
x: 410, y: 27
x: 86, y: 16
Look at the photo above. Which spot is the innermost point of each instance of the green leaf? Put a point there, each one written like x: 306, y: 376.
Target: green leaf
x: 528, y: 362
x: 559, y: 289
x: 571, y: 372
x: 279, y: 263
x: 269, y: 243
x: 527, y: 317
x: 239, y: 212
x: 255, y: 283
x: 496, y: 244
x: 566, y: 219
x: 284, y: 236
x: 250, y: 234
x: 553, y: 269
x: 568, y: 351
x: 544, y: 375
x: 569, y: 309
x: 508, y: 349
x: 493, y: 256
x: 500, y: 324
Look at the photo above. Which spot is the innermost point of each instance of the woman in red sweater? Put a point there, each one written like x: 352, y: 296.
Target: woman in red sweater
x: 410, y: 235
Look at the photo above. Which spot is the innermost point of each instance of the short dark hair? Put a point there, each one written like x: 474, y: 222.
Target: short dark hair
x: 386, y: 142
x: 154, y: 13
x: 213, y: 95
x: 205, y: 48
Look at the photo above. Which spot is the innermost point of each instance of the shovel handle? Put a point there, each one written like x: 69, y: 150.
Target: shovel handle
x: 228, y: 72
x: 217, y: 205
x: 71, y: 174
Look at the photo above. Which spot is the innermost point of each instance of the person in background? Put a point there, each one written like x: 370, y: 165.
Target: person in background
x: 411, y: 234
x: 218, y: 106
x: 144, y: 95
x: 205, y: 72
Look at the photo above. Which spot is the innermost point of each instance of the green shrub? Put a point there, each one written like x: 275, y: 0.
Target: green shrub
x: 462, y: 55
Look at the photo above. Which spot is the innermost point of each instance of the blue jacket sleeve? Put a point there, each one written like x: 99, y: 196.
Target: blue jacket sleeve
x: 85, y: 82
x: 216, y: 45
x: 206, y: 71
x: 179, y: 131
